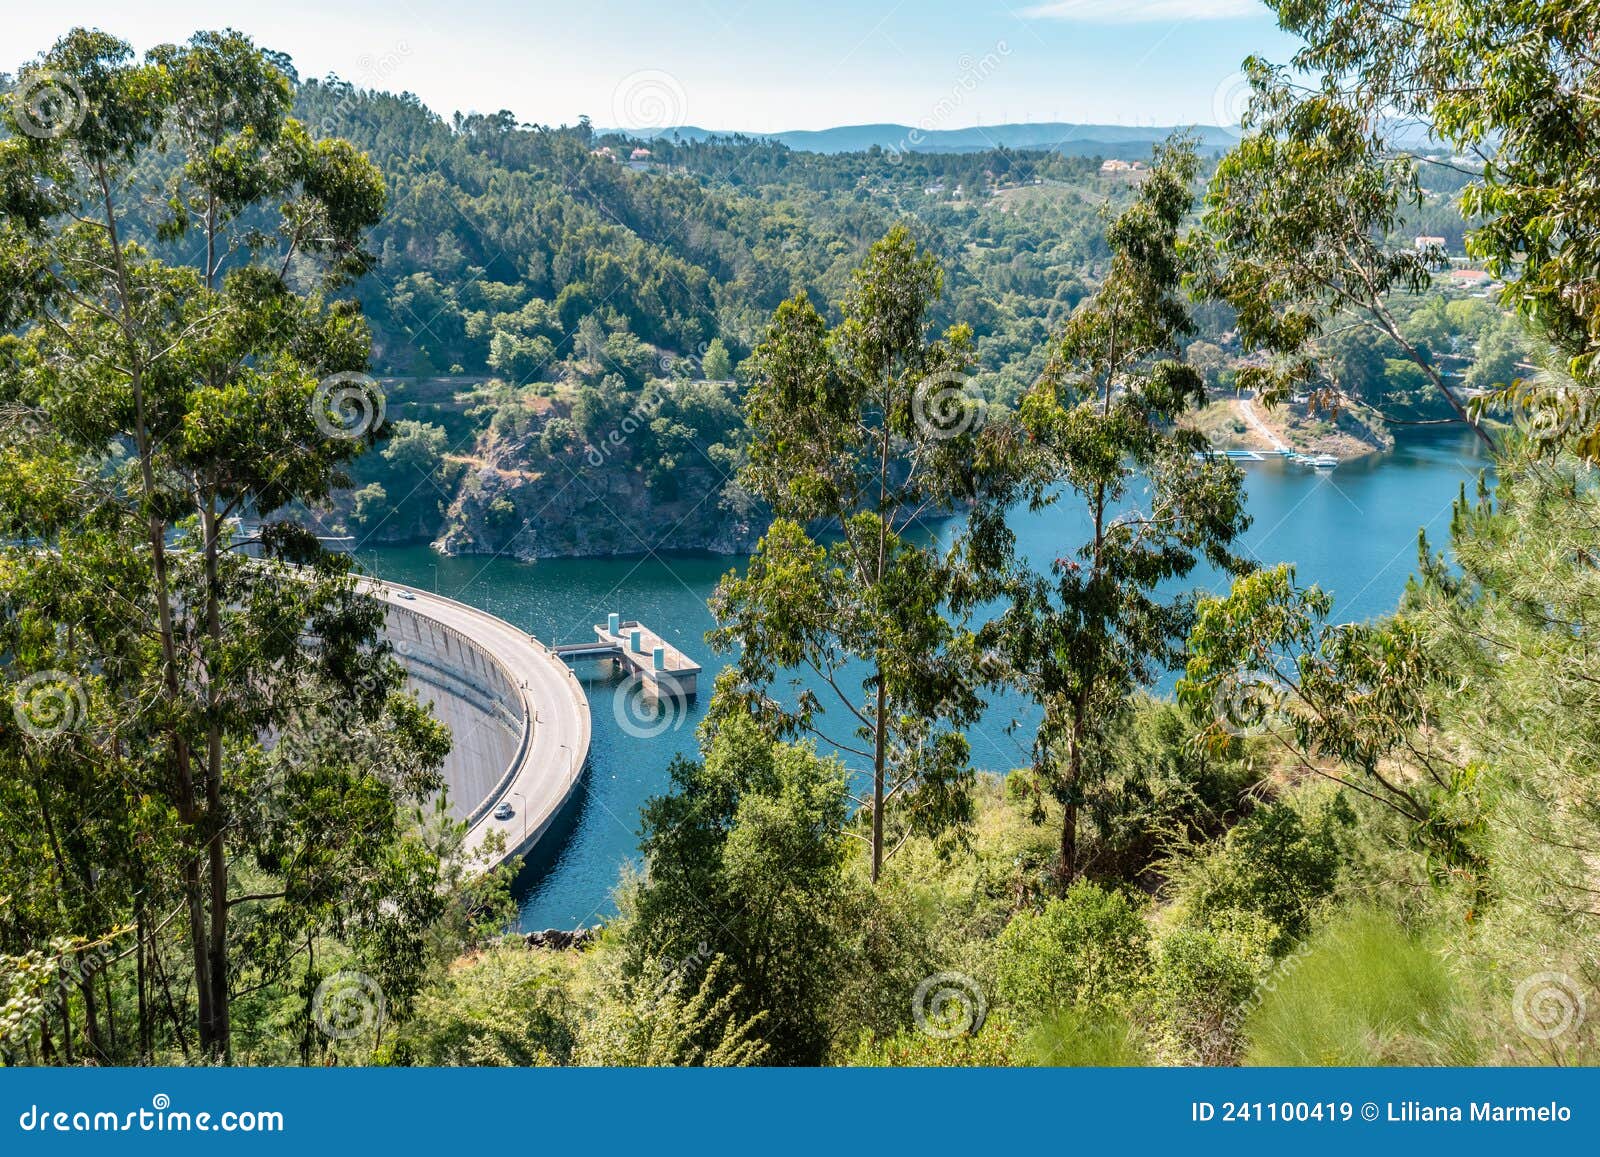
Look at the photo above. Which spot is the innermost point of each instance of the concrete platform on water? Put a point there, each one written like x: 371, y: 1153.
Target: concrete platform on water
x: 645, y: 655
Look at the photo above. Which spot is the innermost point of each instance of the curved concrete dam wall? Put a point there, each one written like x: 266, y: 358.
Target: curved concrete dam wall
x: 517, y: 715
x: 472, y: 694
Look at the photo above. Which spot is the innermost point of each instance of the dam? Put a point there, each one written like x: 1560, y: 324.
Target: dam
x: 517, y: 714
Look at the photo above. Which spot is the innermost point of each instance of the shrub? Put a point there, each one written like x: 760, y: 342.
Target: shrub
x: 506, y: 1007
x: 502, y: 513
x: 746, y: 859
x: 1276, y: 865
x: 662, y: 1015
x: 1087, y: 951
x: 996, y: 1043
x: 1202, y: 980
x: 1162, y: 787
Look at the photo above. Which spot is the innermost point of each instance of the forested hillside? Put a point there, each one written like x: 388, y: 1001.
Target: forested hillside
x: 536, y: 287
x: 543, y: 294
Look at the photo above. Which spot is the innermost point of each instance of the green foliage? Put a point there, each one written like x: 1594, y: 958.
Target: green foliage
x: 745, y: 862
x: 1302, y: 217
x: 1501, y: 357
x: 415, y: 445
x: 1507, y: 84
x: 717, y: 364
x: 371, y: 501
x: 1364, y: 992
x: 996, y: 1044
x: 1405, y: 386
x: 1086, y: 952
x: 1160, y: 789
x: 252, y: 755
x: 1087, y: 1038
x: 512, y: 235
x: 181, y: 269
x: 1264, y: 658
x: 505, y: 1007
x: 1084, y: 638
x: 855, y: 433
x: 1276, y: 864
x: 651, y: 1018
x: 1201, y: 981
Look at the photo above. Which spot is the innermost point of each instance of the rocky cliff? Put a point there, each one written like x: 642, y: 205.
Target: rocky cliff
x: 556, y: 471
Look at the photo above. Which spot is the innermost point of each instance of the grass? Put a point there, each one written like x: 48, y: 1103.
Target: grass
x: 1073, y: 1039
x: 1362, y: 991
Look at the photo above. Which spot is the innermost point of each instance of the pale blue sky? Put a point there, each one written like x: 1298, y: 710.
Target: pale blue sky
x: 740, y: 64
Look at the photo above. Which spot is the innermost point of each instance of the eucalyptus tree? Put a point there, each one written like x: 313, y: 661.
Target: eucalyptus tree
x: 1304, y: 216
x: 1446, y: 714
x: 171, y: 246
x: 1105, y: 429
x: 1356, y: 704
x: 1511, y: 90
x: 860, y: 434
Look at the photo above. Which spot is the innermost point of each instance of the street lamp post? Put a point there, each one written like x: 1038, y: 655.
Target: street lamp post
x: 524, y: 810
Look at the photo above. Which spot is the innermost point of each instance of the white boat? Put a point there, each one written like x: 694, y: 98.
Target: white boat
x: 1324, y: 462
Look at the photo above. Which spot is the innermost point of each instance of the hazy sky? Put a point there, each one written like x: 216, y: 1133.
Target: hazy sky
x: 739, y: 64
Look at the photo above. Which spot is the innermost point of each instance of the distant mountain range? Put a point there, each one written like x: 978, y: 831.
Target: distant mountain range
x: 1074, y: 139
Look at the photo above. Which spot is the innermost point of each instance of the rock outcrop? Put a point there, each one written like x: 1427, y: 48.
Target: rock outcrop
x: 560, y: 940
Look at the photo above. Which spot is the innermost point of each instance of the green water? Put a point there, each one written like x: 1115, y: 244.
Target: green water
x: 1353, y: 530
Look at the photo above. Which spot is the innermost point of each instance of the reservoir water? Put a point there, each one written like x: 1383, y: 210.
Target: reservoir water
x: 1353, y: 530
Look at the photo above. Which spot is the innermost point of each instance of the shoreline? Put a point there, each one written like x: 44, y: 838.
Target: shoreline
x: 1242, y: 423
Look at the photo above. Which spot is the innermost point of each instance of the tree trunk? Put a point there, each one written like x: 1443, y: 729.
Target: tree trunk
x: 879, y: 770
x: 216, y: 827
x: 166, y: 992
x: 156, y: 531
x: 111, y: 1013
x: 142, y: 982
x: 1067, y: 868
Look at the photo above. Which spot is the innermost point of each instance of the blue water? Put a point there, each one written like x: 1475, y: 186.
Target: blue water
x: 1353, y: 530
